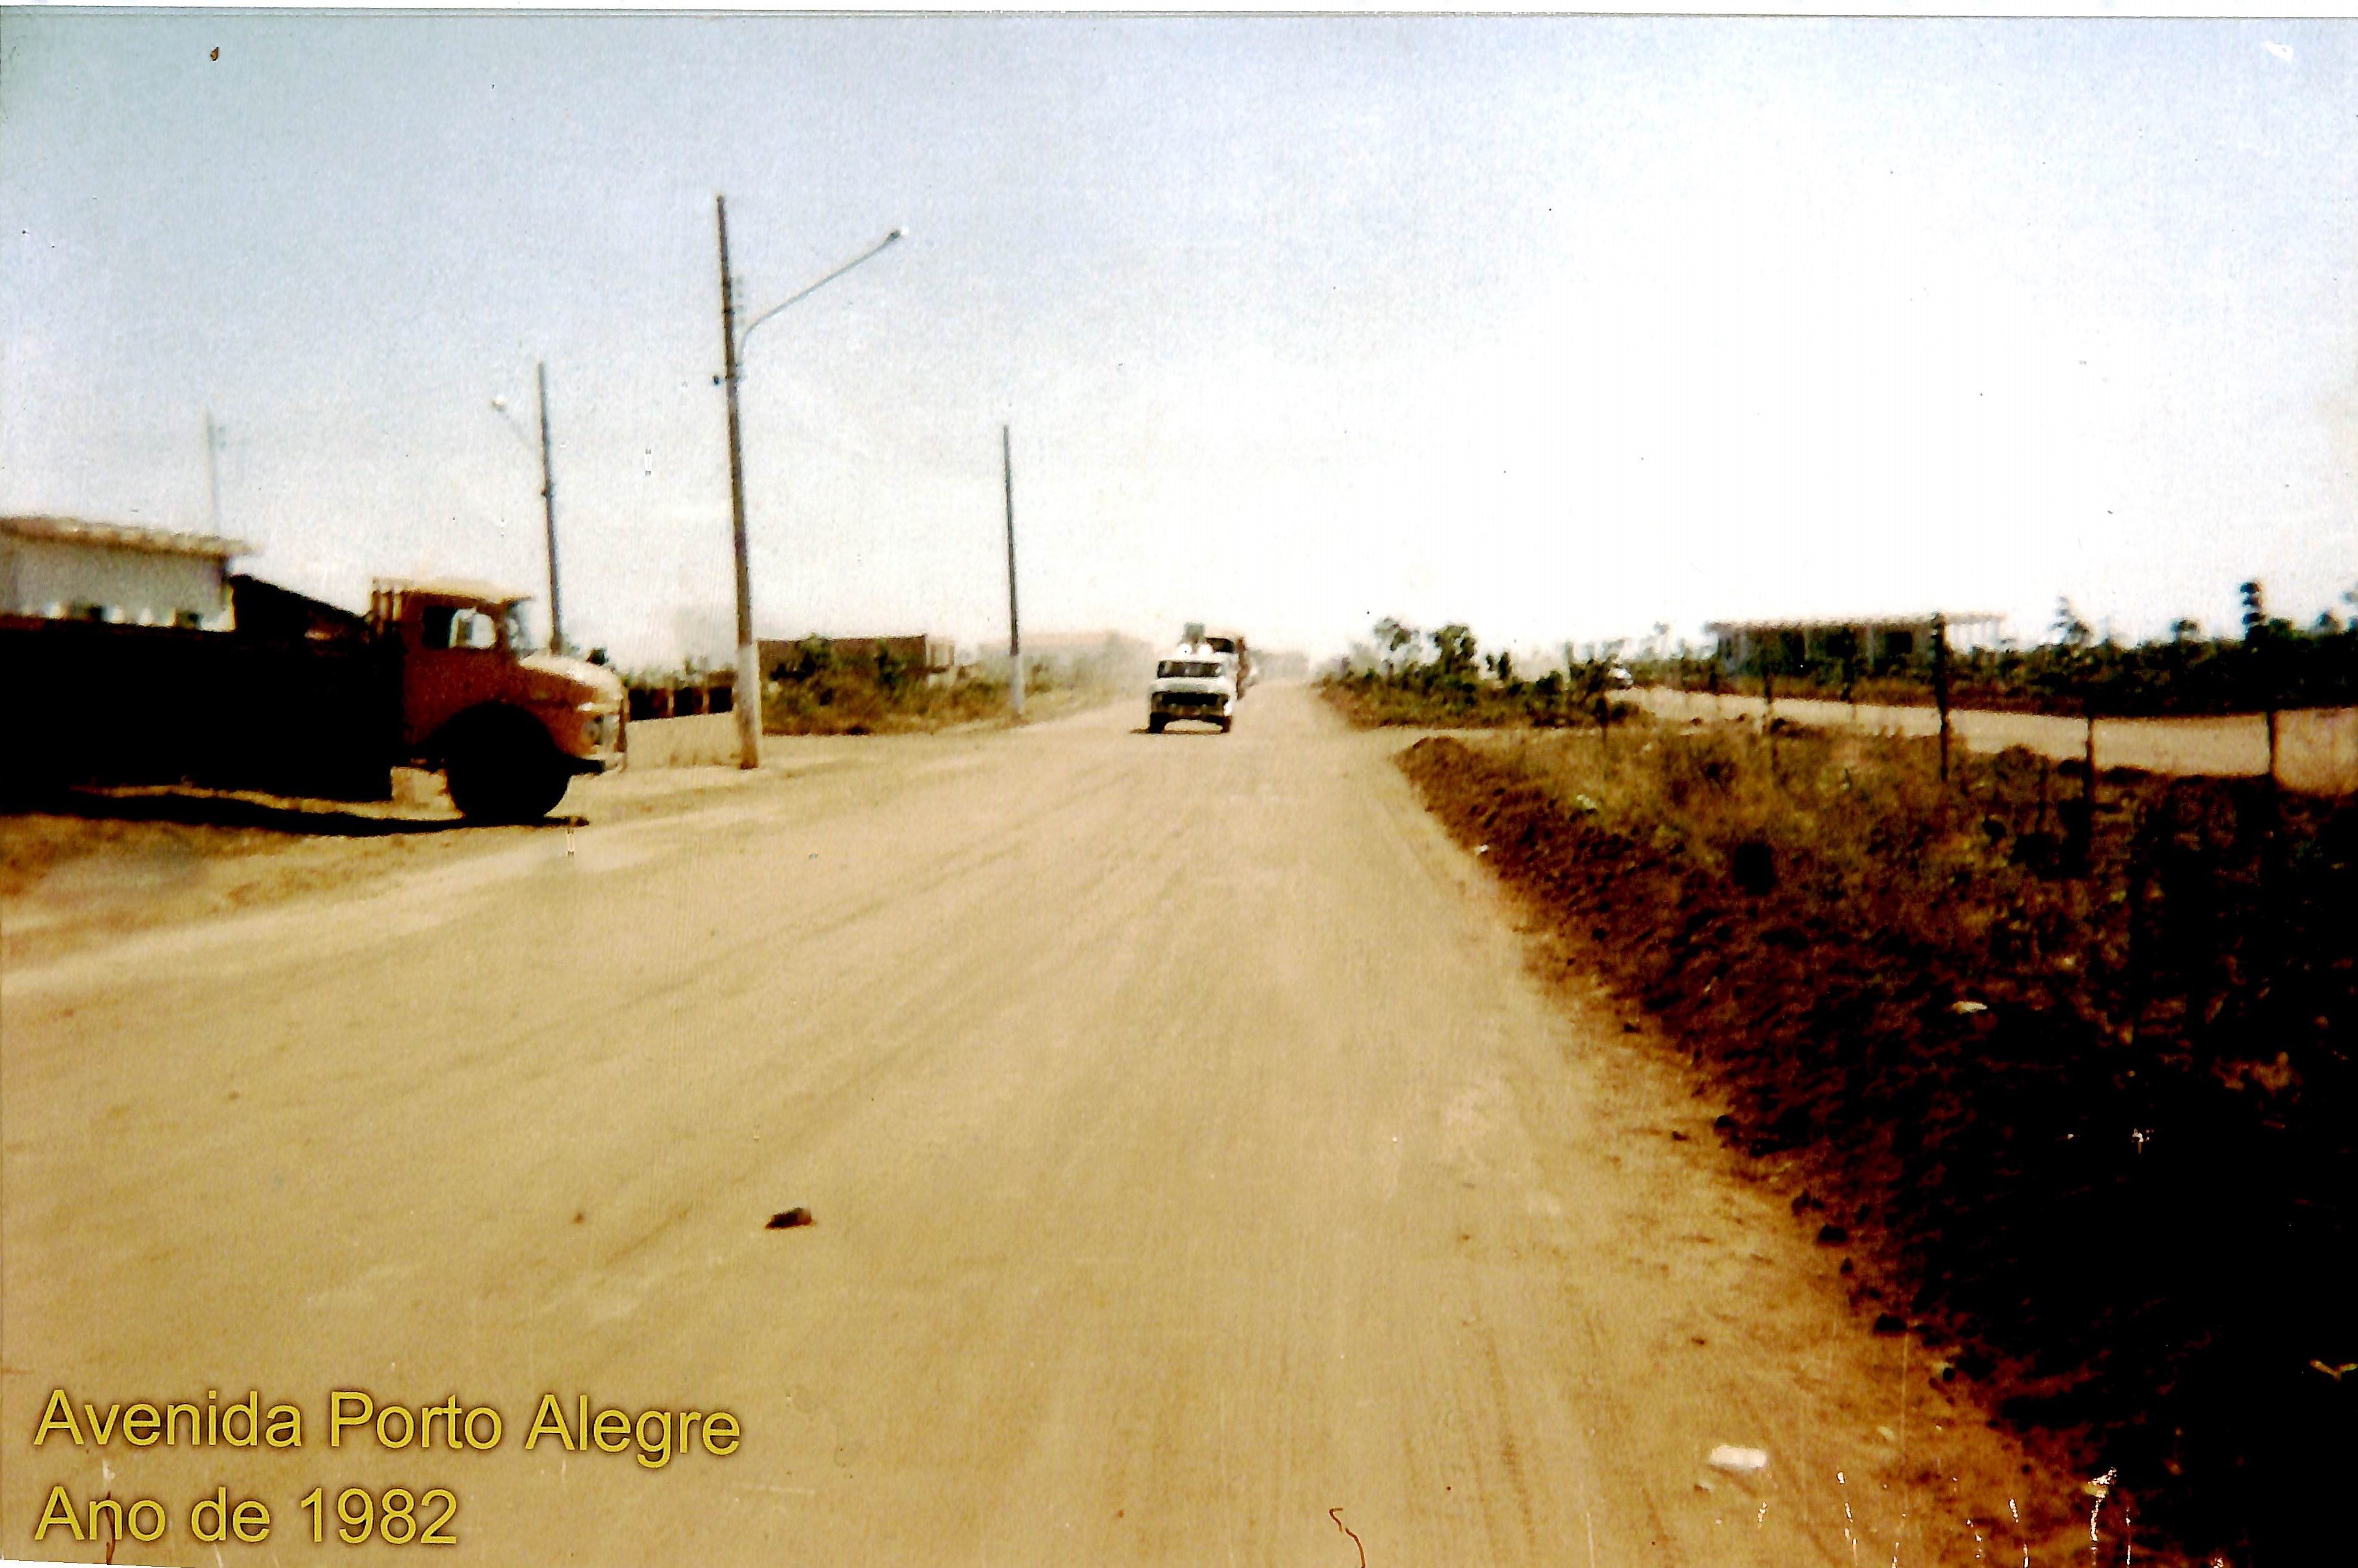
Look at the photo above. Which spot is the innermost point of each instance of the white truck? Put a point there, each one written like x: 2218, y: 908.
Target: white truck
x: 1196, y: 683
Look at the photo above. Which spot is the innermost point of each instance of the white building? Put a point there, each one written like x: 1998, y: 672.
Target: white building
x: 60, y: 568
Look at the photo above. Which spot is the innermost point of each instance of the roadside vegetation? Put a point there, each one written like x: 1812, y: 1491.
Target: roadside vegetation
x: 1402, y: 676
x: 2269, y: 665
x: 1391, y: 681
x: 2064, y: 1072
x: 824, y: 692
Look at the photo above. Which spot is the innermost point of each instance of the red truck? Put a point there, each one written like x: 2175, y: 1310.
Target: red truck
x: 304, y: 699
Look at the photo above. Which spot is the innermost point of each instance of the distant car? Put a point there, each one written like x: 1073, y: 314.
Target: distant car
x: 1622, y: 678
x: 1193, y: 683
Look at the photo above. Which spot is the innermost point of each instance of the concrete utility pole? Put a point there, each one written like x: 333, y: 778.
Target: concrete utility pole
x: 1014, y: 625
x: 212, y: 471
x: 747, y: 702
x: 548, y: 512
x: 547, y: 495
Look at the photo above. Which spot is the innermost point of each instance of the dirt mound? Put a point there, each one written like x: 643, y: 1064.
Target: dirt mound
x: 2081, y: 1098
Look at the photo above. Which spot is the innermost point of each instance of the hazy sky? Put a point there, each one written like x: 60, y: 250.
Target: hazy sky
x: 1558, y: 327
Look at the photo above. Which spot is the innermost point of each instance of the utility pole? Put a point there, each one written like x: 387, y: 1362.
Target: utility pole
x: 747, y: 702
x: 212, y: 471
x: 1015, y: 626
x: 548, y: 511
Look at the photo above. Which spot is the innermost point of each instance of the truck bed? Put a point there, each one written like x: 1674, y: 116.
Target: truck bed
x: 90, y: 703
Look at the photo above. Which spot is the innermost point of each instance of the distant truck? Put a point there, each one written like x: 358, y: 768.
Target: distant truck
x: 304, y: 699
x: 1194, y: 681
x: 1230, y: 644
x: 1233, y: 644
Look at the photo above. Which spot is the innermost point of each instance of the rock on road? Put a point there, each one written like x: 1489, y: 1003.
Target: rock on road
x: 1193, y: 1148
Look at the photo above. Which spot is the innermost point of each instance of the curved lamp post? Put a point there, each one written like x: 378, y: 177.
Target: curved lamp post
x: 748, y: 700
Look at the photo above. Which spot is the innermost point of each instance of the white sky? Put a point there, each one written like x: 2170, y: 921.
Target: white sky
x: 1557, y: 326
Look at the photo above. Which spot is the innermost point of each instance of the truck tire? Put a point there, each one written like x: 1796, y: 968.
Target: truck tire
x: 1154, y: 723
x: 507, y: 771
x: 1226, y: 724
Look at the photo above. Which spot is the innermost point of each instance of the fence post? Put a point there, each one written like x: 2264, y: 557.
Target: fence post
x: 1941, y: 685
x: 2087, y: 846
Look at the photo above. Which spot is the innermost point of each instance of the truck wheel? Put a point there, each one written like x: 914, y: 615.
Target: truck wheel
x: 1154, y: 723
x: 538, y: 793
x: 1226, y: 724
x: 501, y: 773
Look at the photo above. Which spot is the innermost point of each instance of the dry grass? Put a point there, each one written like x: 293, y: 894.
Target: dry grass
x: 1370, y: 705
x: 850, y: 701
x: 2076, y: 1086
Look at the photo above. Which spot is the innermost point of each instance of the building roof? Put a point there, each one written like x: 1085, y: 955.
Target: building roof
x: 1855, y: 622
x: 122, y: 536
x: 452, y: 588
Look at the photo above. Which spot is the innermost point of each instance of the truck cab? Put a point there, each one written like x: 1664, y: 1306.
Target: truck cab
x: 511, y: 727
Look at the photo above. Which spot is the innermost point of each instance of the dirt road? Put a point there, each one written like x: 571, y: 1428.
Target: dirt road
x: 1193, y: 1147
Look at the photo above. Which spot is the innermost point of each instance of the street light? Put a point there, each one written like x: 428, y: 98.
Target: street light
x: 747, y: 335
x: 747, y: 702
x: 547, y: 499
